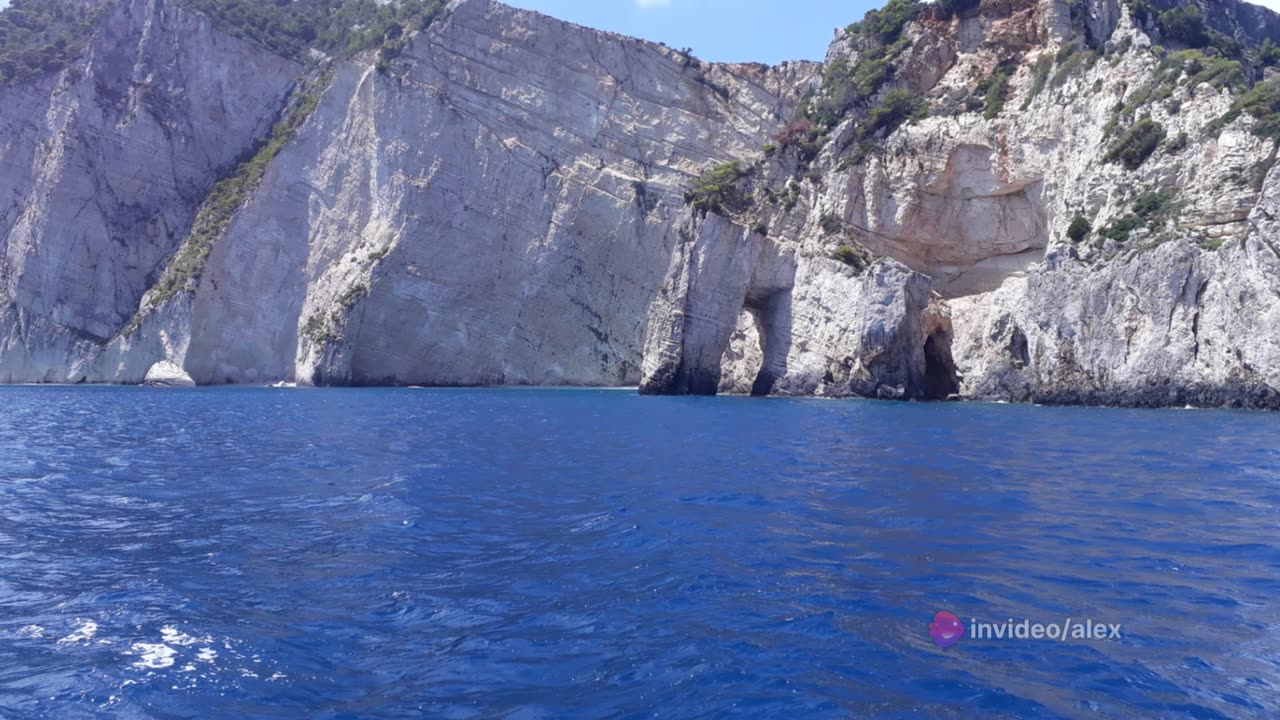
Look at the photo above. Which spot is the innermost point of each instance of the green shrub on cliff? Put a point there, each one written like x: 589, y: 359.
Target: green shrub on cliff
x: 1079, y: 229
x: 1043, y: 66
x: 881, y: 43
x: 1071, y: 60
x: 716, y: 189
x: 1137, y: 144
x: 1186, y: 25
x: 1262, y: 103
x: 885, y: 26
x: 1151, y: 210
x: 41, y: 36
x: 1267, y: 54
x: 897, y: 106
x: 855, y: 257
x: 1185, y: 68
x: 334, y: 27
x: 994, y: 89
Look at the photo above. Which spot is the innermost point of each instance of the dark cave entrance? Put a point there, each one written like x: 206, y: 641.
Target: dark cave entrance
x: 941, y: 381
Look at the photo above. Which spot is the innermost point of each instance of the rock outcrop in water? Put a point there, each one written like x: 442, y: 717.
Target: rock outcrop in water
x: 1027, y: 200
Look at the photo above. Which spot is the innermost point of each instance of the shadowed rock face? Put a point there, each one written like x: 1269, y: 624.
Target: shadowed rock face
x: 103, y: 167
x: 505, y: 204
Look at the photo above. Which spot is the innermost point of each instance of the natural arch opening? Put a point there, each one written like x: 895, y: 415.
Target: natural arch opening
x: 772, y: 313
x: 756, y: 356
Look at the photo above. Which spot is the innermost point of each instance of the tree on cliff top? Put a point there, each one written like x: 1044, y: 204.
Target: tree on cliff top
x: 333, y: 27
x: 41, y: 36
x: 44, y: 36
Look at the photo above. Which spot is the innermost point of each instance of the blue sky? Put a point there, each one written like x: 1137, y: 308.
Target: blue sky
x: 725, y: 30
x: 766, y: 31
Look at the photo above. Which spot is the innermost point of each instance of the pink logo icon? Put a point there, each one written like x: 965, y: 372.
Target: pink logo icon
x: 946, y: 630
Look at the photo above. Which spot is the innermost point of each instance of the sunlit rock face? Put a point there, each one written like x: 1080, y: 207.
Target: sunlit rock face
x: 739, y: 313
x: 1172, y: 327
x: 505, y: 203
x: 496, y: 208
x: 981, y: 205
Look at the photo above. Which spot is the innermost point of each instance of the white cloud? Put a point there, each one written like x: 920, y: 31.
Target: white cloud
x: 647, y: 4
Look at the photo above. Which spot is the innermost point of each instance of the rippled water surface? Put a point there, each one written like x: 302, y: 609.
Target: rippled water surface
x: 545, y: 554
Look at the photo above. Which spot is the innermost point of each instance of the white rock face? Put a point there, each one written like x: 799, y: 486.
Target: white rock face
x: 102, y: 168
x: 505, y: 205
x: 742, y: 314
x: 168, y: 374
x: 497, y: 209
x: 1173, y: 326
x: 981, y: 205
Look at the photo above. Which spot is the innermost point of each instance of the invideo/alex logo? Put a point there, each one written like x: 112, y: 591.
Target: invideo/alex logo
x: 946, y: 630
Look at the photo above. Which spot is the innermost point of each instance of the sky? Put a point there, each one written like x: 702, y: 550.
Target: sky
x: 767, y: 31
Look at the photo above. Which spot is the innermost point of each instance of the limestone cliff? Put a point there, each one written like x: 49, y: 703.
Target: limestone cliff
x: 103, y: 166
x: 510, y: 199
x: 998, y: 129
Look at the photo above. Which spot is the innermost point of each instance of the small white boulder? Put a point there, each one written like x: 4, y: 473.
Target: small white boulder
x: 168, y: 374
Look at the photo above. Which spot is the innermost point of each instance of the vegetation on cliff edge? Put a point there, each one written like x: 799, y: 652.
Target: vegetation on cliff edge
x: 1137, y: 144
x: 716, y: 189
x: 337, y: 28
x: 230, y: 193
x: 1262, y: 103
x: 41, y: 36
x: 352, y: 26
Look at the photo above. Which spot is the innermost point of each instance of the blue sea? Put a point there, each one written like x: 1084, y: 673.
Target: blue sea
x: 528, y: 554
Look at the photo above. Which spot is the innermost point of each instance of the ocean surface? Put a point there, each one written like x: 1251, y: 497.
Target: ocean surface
x: 594, y: 554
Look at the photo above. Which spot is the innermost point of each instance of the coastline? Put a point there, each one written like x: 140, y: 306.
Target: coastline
x: 1253, y: 399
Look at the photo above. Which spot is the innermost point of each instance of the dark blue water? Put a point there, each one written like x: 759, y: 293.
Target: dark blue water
x: 546, y: 554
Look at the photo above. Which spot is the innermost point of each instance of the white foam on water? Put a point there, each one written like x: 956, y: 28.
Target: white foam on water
x: 207, y: 655
x: 31, y: 631
x: 155, y: 656
x: 173, y: 636
x: 84, y: 633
